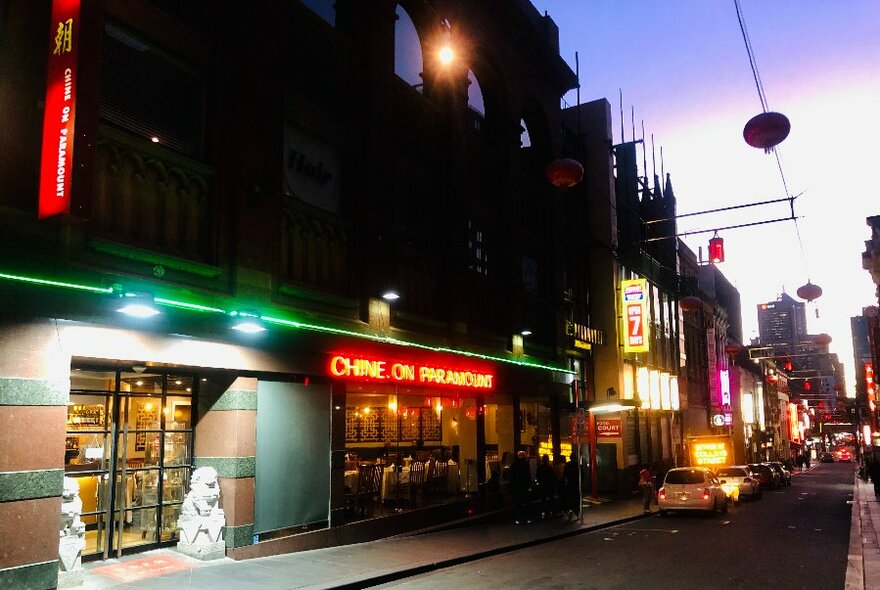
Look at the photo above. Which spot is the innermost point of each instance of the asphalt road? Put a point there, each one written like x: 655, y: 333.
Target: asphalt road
x: 795, y: 537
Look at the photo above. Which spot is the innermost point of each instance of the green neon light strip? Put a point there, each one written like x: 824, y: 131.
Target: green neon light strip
x: 48, y: 283
x: 293, y: 324
x: 398, y: 342
x: 184, y: 305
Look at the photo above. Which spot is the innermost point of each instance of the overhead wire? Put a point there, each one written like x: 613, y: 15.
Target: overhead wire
x: 762, y: 97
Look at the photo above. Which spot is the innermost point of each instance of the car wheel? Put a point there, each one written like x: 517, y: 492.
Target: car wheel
x: 724, y: 506
x: 714, y: 509
x: 664, y: 513
x: 736, y: 502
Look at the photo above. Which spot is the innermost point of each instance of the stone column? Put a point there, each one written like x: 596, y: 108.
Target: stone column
x: 225, y: 439
x: 34, y: 390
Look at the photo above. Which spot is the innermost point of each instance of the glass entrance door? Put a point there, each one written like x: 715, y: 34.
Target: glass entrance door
x: 129, y: 446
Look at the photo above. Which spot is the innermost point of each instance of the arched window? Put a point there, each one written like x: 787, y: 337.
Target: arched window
x: 475, y: 95
x: 407, y: 50
x: 525, y: 139
x: 476, y: 105
x: 323, y: 8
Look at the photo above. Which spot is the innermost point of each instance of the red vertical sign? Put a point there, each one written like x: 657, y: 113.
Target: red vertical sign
x: 56, y: 163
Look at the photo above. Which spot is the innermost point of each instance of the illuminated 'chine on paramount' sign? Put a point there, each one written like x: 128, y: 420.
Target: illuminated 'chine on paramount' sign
x: 374, y: 369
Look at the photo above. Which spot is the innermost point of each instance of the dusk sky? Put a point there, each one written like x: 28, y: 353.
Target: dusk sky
x: 683, y: 66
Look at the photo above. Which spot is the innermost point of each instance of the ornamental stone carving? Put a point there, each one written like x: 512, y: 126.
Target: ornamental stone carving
x: 201, y: 519
x: 72, y: 535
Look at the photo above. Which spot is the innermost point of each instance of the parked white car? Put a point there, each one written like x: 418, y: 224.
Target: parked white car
x: 739, y: 483
x: 691, y: 488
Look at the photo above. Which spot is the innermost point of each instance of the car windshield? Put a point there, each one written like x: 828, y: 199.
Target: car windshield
x: 683, y: 476
x: 732, y: 472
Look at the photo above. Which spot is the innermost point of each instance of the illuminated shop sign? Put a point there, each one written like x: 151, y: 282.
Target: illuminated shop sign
x: 710, y: 453
x: 610, y: 427
x: 634, y: 299
x: 870, y: 386
x: 376, y: 369
x: 56, y: 162
x: 793, y: 425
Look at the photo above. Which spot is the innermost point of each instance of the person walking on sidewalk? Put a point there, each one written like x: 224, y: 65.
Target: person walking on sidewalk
x: 571, y: 492
x: 646, y: 485
x: 546, y: 487
x: 521, y: 482
x: 874, y: 474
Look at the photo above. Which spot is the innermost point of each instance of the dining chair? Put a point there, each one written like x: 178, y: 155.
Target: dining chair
x: 417, y: 473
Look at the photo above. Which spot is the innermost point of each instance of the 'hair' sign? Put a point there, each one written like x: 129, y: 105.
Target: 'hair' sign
x: 372, y: 369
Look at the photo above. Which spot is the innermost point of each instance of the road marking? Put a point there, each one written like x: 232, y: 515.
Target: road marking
x: 725, y: 522
x: 792, y: 527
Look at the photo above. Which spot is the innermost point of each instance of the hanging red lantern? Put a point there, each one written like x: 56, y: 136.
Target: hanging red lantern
x: 732, y: 348
x: 716, y: 249
x: 772, y: 378
x: 788, y: 365
x: 690, y: 303
x: 822, y: 339
x: 809, y: 291
x: 807, y: 386
x: 766, y: 130
x: 564, y: 172
x: 471, y: 413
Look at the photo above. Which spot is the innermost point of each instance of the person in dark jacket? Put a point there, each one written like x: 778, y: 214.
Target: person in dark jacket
x: 874, y: 474
x: 546, y: 486
x: 571, y: 492
x: 521, y: 482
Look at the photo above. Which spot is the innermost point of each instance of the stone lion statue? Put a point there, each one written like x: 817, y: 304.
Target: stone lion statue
x: 71, y: 508
x: 204, y: 493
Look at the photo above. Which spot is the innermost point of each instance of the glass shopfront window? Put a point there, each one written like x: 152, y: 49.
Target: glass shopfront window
x: 420, y: 443
x: 129, y: 446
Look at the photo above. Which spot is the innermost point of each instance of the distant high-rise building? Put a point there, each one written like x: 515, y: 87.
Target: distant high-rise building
x: 783, y: 321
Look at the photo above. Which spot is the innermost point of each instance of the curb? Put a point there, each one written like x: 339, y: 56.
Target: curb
x: 855, y: 562
x: 438, y: 565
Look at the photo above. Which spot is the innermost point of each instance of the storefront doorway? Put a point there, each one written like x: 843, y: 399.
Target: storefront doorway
x: 129, y: 447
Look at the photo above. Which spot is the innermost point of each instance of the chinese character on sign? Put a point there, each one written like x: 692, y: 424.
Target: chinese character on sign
x: 64, y: 37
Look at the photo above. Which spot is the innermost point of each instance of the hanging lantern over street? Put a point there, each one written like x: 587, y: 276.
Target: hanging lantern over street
x: 807, y: 386
x: 732, y: 348
x: 690, y: 303
x: 766, y: 130
x: 716, y: 249
x: 564, y: 172
x: 809, y: 291
x: 822, y: 339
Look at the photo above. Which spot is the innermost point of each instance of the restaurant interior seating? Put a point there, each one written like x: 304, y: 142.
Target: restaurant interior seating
x: 366, y: 492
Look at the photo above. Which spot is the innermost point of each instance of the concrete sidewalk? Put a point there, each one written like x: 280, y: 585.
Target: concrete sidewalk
x: 863, y: 568
x: 351, y: 566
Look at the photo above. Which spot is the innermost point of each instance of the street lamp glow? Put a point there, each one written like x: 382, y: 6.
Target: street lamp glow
x: 446, y: 55
x: 391, y: 295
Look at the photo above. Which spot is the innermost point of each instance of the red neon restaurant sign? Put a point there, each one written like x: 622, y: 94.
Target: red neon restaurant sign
x: 56, y: 162
x: 375, y: 369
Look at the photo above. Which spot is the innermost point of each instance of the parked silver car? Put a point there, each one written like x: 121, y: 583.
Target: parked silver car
x: 739, y: 483
x: 691, y: 488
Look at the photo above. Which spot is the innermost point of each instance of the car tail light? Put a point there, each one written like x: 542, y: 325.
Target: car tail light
x: 747, y: 480
x: 662, y: 494
x: 707, y: 493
